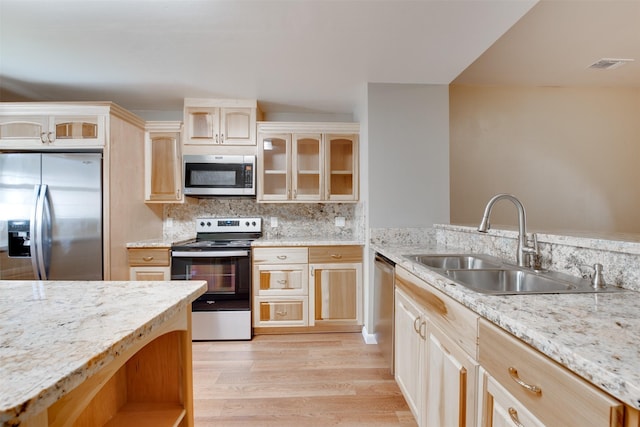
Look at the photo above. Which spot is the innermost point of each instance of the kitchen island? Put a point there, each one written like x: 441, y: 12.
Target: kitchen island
x: 96, y: 353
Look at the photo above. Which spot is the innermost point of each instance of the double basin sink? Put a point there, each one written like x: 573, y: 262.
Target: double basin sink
x: 490, y: 275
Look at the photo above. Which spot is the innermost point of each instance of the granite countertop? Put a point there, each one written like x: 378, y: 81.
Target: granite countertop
x: 595, y: 336
x: 305, y: 241
x: 263, y: 241
x: 56, y: 334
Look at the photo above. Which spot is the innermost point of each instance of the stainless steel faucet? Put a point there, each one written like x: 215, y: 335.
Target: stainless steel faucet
x: 527, y: 256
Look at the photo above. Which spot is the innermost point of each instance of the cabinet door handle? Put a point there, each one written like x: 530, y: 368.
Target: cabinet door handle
x: 281, y: 313
x: 423, y: 330
x: 51, y: 136
x: 416, y: 325
x: 531, y: 388
x: 514, y: 417
x: 147, y: 258
x: 281, y: 257
x: 43, y: 137
x: 336, y: 256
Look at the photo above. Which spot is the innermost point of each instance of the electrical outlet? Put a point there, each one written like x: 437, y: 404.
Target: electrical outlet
x: 274, y: 221
x: 340, y: 221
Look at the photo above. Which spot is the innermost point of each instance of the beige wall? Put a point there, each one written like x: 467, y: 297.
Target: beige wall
x: 571, y: 155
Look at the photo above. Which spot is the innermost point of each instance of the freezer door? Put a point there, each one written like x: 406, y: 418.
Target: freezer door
x: 74, y: 192
x: 19, y: 181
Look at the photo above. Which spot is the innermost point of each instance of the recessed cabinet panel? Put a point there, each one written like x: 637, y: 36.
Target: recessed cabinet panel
x: 23, y: 127
x: 237, y: 125
x: 336, y: 294
x: 163, y: 163
x: 201, y: 125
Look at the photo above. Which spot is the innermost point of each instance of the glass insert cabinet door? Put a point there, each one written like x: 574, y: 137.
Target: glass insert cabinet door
x: 276, y: 164
x: 342, y: 173
x: 307, y: 166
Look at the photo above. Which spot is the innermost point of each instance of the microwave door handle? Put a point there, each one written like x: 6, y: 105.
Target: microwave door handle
x: 209, y: 254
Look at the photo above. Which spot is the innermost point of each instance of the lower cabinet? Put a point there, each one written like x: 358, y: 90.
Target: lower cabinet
x: 501, y: 409
x: 409, y: 351
x: 317, y: 288
x: 437, y: 376
x: 549, y: 391
x: 149, y: 264
x: 456, y: 369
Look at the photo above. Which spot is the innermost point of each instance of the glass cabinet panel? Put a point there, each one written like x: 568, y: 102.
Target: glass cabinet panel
x: 342, y: 160
x: 275, y: 166
x: 307, y: 167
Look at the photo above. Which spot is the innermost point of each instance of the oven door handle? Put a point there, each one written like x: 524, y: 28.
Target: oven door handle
x: 209, y: 254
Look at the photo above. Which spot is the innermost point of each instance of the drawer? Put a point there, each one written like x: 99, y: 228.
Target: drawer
x: 281, y: 279
x: 456, y: 320
x: 139, y: 257
x: 282, y: 311
x: 280, y: 255
x: 562, y: 398
x: 332, y: 254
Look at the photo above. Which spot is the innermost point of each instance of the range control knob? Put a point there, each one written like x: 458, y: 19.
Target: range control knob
x: 246, y: 223
x: 253, y: 223
x: 208, y: 223
x: 201, y: 223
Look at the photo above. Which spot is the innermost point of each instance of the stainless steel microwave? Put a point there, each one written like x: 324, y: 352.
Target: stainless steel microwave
x: 225, y: 175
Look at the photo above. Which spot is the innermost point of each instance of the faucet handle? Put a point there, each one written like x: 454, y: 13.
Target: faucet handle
x: 597, y: 281
x: 533, y: 253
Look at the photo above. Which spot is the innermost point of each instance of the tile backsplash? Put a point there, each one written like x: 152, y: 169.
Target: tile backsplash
x: 294, y: 219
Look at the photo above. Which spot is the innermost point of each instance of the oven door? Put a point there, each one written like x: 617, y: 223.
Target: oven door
x: 227, y: 273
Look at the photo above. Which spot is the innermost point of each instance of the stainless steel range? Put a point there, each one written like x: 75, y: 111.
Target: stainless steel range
x: 221, y: 255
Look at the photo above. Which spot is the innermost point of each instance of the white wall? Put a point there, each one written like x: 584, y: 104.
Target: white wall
x: 408, y: 145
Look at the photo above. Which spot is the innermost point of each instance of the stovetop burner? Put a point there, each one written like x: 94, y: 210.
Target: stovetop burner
x: 212, y: 233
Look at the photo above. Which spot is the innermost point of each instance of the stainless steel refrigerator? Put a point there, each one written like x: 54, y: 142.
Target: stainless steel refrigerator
x: 51, y: 216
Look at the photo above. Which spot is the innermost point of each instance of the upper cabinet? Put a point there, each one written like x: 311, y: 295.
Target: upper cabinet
x: 215, y: 122
x: 307, y: 162
x: 163, y: 163
x: 51, y: 126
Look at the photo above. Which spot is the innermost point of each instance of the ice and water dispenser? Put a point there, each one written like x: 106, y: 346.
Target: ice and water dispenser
x: 19, y: 239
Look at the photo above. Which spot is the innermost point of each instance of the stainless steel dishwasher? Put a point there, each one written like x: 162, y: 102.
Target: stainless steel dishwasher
x: 383, y: 315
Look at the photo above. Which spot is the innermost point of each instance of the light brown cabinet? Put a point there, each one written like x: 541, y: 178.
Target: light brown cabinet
x: 307, y: 288
x: 336, y: 275
x: 307, y: 162
x: 280, y: 287
x: 163, y: 163
x: 435, y: 358
x: 548, y: 391
x: 214, y: 122
x: 52, y: 126
x: 149, y: 264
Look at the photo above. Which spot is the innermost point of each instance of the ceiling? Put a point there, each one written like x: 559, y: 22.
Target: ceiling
x: 291, y: 55
x: 557, y: 40
x: 302, y: 55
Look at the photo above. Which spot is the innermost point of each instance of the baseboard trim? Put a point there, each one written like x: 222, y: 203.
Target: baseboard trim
x: 368, y: 338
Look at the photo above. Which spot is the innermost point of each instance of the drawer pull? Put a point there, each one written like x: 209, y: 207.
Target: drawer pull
x: 531, y: 388
x: 281, y: 257
x: 282, y: 281
x: 281, y: 313
x: 336, y: 256
x: 147, y: 258
x: 514, y: 417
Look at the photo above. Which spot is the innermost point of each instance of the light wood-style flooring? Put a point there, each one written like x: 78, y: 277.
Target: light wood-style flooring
x: 295, y: 380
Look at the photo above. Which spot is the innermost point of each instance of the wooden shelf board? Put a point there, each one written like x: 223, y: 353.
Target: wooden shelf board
x: 148, y: 415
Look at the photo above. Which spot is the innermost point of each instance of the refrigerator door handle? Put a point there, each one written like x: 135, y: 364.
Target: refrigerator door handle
x: 33, y: 231
x: 42, y: 229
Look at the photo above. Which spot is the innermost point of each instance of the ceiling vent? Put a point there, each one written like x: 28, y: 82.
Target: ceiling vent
x: 609, y: 63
